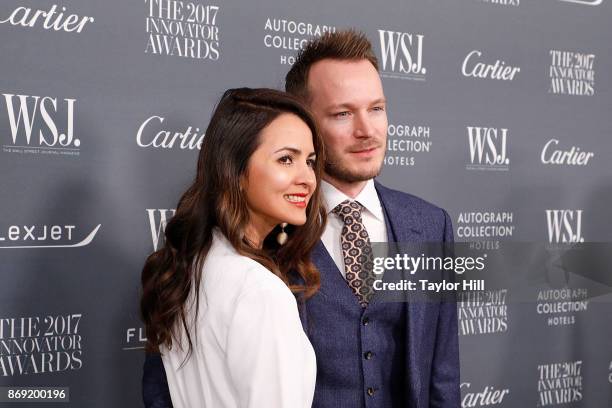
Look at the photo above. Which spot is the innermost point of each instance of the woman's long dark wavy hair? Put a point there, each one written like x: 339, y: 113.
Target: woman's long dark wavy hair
x: 215, y: 199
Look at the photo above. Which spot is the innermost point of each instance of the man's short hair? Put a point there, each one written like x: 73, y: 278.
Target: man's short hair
x: 348, y: 45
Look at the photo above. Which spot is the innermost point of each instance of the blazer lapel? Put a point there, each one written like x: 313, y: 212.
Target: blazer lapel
x: 404, y: 221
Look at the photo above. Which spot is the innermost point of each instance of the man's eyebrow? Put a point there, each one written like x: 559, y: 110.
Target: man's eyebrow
x: 379, y: 100
x: 349, y: 105
x: 341, y: 106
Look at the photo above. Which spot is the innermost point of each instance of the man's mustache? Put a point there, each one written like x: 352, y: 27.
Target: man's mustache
x: 364, y: 146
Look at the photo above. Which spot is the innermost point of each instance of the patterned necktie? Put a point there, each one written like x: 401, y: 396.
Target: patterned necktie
x: 357, y: 250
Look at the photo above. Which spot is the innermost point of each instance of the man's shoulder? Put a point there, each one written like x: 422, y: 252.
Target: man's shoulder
x: 409, y: 211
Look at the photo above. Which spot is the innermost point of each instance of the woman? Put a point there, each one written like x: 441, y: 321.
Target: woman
x: 217, y: 299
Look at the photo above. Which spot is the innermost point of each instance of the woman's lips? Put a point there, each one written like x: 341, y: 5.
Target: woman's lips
x: 299, y: 199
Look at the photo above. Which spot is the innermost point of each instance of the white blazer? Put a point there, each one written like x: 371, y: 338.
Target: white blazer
x: 249, y: 347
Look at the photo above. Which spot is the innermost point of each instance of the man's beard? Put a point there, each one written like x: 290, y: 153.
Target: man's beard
x: 335, y: 169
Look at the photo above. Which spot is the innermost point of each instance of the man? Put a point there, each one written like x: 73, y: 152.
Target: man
x: 369, y: 353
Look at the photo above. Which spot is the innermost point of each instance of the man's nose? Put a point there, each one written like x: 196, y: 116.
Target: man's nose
x: 363, y: 125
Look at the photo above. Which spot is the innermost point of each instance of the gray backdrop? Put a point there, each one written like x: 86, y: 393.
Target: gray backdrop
x: 103, y: 104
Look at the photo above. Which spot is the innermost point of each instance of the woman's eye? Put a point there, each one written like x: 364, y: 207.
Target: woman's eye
x: 286, y: 160
x: 311, y: 163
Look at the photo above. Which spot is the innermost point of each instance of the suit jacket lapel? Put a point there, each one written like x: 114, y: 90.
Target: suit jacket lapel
x: 404, y: 221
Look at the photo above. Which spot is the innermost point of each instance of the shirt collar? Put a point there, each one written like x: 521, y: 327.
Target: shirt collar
x: 368, y: 197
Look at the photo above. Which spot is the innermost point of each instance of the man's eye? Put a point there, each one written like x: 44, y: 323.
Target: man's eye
x: 342, y: 114
x: 379, y: 108
x: 285, y: 160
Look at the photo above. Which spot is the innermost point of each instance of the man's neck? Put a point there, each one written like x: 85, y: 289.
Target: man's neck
x: 351, y: 189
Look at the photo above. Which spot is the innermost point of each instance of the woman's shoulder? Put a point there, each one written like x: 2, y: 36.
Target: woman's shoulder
x: 223, y: 265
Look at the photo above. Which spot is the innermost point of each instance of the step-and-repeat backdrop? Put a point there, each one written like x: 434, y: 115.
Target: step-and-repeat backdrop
x: 500, y: 111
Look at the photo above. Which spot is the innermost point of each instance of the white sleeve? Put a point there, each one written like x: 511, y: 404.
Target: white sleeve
x: 267, y: 350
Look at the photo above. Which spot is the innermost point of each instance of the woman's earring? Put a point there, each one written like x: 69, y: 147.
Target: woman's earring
x: 282, y: 236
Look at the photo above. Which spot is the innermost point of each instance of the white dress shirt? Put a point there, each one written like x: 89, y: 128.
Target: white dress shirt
x: 372, y: 217
x: 250, y: 350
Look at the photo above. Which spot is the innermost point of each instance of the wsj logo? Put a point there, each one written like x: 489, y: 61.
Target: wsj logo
x: 158, y: 218
x: 488, y: 148
x: 402, y: 55
x: 564, y: 226
x: 55, y: 131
